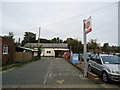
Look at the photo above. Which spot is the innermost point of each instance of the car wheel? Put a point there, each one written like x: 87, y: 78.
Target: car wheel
x: 89, y: 68
x: 105, y: 77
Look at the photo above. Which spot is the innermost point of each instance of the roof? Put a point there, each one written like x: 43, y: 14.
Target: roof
x: 61, y: 49
x: 106, y: 55
x: 47, y: 45
x: 19, y: 49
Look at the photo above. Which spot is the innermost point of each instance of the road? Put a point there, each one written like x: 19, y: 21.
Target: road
x: 48, y: 73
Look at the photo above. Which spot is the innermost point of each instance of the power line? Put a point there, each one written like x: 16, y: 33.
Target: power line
x: 62, y: 21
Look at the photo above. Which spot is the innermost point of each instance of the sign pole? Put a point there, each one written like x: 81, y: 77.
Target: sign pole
x: 85, y: 50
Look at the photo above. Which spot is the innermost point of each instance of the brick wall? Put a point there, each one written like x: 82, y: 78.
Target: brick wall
x: 8, y: 58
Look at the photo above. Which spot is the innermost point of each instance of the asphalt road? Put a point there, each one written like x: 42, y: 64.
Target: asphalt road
x: 49, y: 72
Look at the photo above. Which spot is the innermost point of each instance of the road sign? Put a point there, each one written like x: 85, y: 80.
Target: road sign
x: 86, y: 29
x: 88, y: 25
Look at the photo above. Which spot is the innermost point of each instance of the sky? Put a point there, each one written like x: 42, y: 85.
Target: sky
x: 61, y: 19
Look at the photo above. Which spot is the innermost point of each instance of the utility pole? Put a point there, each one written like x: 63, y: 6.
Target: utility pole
x: 18, y: 41
x: 39, y: 47
x: 39, y: 35
x: 119, y: 23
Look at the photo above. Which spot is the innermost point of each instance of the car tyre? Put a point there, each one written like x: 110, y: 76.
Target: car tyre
x: 105, y: 77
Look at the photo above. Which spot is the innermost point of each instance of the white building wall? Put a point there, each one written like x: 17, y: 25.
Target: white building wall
x: 45, y: 51
x: 48, y: 52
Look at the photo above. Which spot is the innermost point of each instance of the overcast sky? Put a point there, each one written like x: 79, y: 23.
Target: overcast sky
x: 61, y: 19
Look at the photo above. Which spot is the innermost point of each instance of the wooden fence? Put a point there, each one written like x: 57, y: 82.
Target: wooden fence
x: 23, y: 56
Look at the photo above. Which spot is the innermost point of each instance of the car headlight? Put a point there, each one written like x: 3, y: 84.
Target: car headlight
x: 115, y: 71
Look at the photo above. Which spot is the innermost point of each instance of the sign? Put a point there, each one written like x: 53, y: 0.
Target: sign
x: 75, y: 58
x: 86, y: 29
x: 35, y: 53
x: 88, y: 25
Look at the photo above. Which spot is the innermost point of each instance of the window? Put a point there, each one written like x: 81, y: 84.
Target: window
x: 111, y: 59
x: 93, y: 58
x: 97, y: 57
x: 49, y: 52
x: 5, y: 49
x: 98, y: 60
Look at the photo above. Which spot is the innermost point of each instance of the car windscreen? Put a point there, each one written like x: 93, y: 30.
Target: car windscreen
x: 111, y: 59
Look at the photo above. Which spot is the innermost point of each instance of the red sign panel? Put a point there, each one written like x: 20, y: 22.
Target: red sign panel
x: 88, y: 25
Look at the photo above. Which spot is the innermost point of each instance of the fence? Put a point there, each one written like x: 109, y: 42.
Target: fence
x: 23, y: 56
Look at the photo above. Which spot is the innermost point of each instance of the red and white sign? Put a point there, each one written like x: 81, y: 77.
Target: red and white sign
x: 88, y: 25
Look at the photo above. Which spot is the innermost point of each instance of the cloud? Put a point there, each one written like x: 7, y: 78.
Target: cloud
x: 63, y: 19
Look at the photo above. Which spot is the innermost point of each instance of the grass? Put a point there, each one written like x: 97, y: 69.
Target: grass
x: 8, y: 67
x: 16, y: 65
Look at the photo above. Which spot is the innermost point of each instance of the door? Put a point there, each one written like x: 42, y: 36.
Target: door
x: 92, y: 62
x: 98, y: 65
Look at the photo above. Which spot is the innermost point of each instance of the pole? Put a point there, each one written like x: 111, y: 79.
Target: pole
x: 39, y: 51
x: 85, y: 51
x: 39, y: 35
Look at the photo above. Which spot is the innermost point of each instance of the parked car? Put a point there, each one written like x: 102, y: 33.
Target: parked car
x: 117, y: 54
x: 106, y: 65
x: 88, y: 56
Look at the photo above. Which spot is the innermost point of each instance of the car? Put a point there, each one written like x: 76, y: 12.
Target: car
x: 87, y: 56
x: 106, y: 65
x: 117, y: 54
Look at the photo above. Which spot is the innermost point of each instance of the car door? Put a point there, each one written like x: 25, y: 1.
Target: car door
x: 98, y: 65
x: 92, y: 62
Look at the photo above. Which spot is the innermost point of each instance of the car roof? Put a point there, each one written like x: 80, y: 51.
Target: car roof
x: 104, y: 54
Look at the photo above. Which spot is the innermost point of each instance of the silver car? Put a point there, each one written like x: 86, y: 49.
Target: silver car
x: 108, y: 66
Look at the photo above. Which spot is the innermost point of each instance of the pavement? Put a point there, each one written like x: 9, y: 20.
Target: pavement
x: 49, y: 73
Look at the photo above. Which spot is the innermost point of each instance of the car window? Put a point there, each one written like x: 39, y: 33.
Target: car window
x: 97, y: 57
x: 98, y: 60
x: 111, y: 59
x: 93, y: 58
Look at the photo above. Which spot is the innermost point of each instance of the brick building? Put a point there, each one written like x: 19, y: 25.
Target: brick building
x: 7, y: 50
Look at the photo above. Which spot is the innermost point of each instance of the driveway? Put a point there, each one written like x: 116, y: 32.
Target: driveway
x: 49, y: 72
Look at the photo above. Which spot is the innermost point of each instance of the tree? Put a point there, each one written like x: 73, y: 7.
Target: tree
x: 29, y: 37
x: 105, y: 47
x: 75, y: 45
x: 56, y: 40
x: 10, y: 35
x: 42, y: 40
x: 93, y: 45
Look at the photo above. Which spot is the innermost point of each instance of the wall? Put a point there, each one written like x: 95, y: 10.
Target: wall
x: 23, y: 56
x: 44, y: 52
x: 8, y: 58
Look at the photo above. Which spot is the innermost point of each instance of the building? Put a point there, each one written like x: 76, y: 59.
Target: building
x: 7, y: 50
x: 50, y: 49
